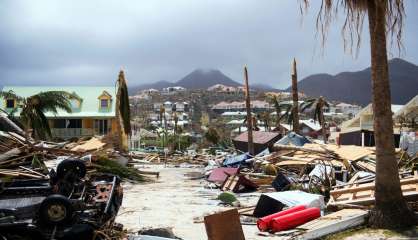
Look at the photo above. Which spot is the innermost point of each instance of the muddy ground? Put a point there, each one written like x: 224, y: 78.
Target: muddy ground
x: 173, y: 201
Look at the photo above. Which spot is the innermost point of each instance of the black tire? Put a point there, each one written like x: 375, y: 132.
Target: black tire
x: 55, y: 210
x: 71, y: 165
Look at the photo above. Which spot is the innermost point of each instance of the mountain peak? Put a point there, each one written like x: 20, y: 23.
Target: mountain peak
x: 355, y: 87
x: 206, y: 71
x: 200, y: 78
x: 204, y: 78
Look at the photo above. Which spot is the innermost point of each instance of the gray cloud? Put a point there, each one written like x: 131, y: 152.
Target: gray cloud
x: 87, y: 42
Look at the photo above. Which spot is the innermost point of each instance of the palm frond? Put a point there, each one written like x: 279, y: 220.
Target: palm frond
x: 307, y: 104
x: 51, y: 101
x: 355, y: 13
x: 10, y: 95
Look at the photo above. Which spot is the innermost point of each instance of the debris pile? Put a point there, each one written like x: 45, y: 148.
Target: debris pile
x: 305, y: 184
x: 60, y: 190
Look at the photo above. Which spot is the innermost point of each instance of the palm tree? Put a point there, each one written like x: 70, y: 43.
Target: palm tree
x: 253, y: 123
x: 265, y: 117
x: 295, y: 97
x: 33, y: 109
x: 249, y: 117
x: 279, y: 107
x: 162, y: 113
x: 385, y: 18
x: 123, y: 112
x: 175, y: 119
x: 318, y: 113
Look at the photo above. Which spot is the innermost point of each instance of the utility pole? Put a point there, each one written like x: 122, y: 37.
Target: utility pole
x: 249, y: 116
x: 295, y: 108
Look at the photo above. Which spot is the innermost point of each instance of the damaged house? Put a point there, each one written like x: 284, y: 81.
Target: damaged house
x: 92, y: 114
x: 359, y: 130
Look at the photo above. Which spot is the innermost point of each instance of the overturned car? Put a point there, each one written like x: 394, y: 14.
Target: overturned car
x: 69, y: 204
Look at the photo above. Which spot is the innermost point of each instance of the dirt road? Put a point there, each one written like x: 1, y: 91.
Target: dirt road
x: 172, y: 201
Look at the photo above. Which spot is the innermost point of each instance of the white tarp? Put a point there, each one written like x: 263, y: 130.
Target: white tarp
x: 294, y: 198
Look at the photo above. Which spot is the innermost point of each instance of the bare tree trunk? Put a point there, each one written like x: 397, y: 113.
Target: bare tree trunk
x: 249, y: 116
x: 11, y: 124
x: 295, y: 96
x: 391, y: 210
x: 324, y: 131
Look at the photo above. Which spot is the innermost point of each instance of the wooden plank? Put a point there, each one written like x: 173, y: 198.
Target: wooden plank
x: 409, y: 196
x: 370, y: 186
x: 332, y: 223
x: 224, y: 226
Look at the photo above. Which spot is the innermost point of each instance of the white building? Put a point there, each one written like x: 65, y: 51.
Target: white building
x: 171, y: 90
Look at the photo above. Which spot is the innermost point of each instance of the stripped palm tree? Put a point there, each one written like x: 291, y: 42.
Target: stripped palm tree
x: 295, y: 98
x: 385, y: 18
x: 33, y: 109
x: 123, y: 117
x: 318, y: 112
x: 279, y: 107
x: 253, y: 123
x: 162, y: 112
x: 249, y: 116
x: 176, y: 120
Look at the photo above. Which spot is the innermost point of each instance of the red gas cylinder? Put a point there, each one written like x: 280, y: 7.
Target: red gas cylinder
x: 263, y: 223
x: 294, y: 219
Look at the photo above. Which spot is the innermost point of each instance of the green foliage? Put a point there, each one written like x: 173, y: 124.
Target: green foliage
x: 227, y: 197
x: 212, y: 135
x: 37, y: 163
x: 34, y: 109
x: 212, y: 151
x: 318, y: 108
x: 180, y: 143
x: 279, y: 107
x: 108, y: 166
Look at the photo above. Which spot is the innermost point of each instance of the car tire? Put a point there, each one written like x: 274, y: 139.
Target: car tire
x: 55, y: 210
x: 71, y: 165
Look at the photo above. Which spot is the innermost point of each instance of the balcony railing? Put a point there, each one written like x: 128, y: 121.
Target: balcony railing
x: 72, y: 132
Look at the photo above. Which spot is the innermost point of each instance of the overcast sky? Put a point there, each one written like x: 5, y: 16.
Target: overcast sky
x: 86, y: 42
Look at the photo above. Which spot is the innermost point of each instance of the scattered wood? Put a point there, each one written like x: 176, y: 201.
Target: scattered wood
x: 332, y: 223
x: 363, y: 194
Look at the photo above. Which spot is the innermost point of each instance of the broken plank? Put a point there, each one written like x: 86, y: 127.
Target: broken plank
x: 332, y: 223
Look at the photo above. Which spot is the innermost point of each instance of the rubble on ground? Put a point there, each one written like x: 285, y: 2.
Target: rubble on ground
x: 293, y: 188
x: 53, y: 190
x: 339, y: 179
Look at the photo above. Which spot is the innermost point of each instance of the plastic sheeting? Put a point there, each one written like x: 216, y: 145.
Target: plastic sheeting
x: 409, y: 143
x: 236, y: 161
x: 294, y: 139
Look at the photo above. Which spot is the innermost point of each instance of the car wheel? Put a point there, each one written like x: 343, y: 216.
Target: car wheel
x: 55, y: 210
x: 71, y: 165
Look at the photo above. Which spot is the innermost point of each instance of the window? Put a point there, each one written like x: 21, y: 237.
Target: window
x: 67, y: 123
x: 104, y: 103
x: 102, y: 126
x: 10, y: 103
